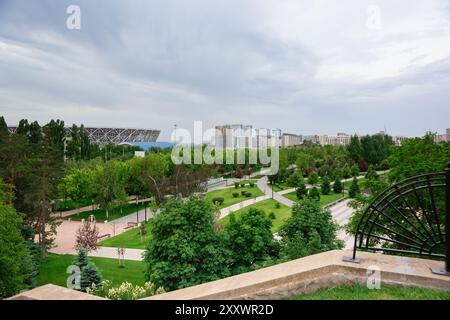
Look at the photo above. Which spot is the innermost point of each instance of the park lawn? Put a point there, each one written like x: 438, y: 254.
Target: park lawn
x: 130, y: 239
x: 100, y: 214
x: 324, y: 199
x: 361, y: 183
x: 279, y: 186
x: 359, y: 292
x: 246, y: 182
x: 267, y: 206
x: 227, y: 194
x: 53, y: 270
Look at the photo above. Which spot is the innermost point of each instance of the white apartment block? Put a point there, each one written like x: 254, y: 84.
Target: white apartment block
x: 291, y: 140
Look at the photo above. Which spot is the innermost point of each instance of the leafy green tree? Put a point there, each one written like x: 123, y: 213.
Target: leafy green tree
x: 56, y: 135
x: 295, y: 180
x: 110, y: 180
x: 314, y: 194
x: 79, y: 185
x: 313, y: 178
x: 371, y: 174
x: 355, y: 170
x: 301, y: 191
x: 325, y: 186
x: 184, y: 250
x: 13, y: 253
x: 337, y: 186
x: 249, y: 239
x: 354, y: 149
x: 354, y: 190
x: 308, y: 231
x: 418, y: 156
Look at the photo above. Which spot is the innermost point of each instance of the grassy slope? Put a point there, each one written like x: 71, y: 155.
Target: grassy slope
x: 53, y: 270
x: 227, y: 194
x: 359, y: 292
x: 130, y: 239
x: 267, y: 206
x: 324, y: 200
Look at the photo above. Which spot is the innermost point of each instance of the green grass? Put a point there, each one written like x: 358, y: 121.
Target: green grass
x: 130, y: 239
x: 227, y: 194
x: 359, y: 292
x: 361, y: 183
x: 100, y: 214
x: 324, y: 199
x: 279, y: 186
x: 53, y: 270
x: 267, y: 206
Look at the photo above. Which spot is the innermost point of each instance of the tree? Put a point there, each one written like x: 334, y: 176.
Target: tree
x: 89, y: 276
x: 46, y: 171
x: 249, y: 239
x: 79, y: 185
x: 110, y: 180
x: 184, y: 250
x: 295, y: 180
x: 87, y: 236
x: 354, y: 149
x: 3, y: 126
x: 309, y: 230
x: 418, y: 156
x: 337, y: 186
x: 301, y: 191
x: 371, y: 174
x: 354, y: 190
x: 13, y: 253
x: 355, y: 170
x: 314, y: 194
x: 313, y: 178
x: 82, y: 259
x: 325, y: 186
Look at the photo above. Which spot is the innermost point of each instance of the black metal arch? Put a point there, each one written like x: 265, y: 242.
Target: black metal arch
x: 409, y: 218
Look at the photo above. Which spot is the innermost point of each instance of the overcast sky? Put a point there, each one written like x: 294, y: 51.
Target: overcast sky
x: 302, y: 66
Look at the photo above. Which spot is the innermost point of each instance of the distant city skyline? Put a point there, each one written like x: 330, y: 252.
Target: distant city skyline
x: 305, y: 67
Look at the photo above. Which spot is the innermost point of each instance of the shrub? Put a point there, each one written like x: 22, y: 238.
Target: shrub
x: 236, y: 185
x: 243, y: 192
x: 313, y: 178
x: 325, y: 186
x: 248, y: 194
x: 126, y: 291
x: 235, y: 194
x: 272, y: 216
x: 251, y: 184
x: 309, y: 230
x: 337, y: 186
x: 314, y: 194
x: 277, y: 205
x: 242, y: 185
x: 301, y: 191
x: 354, y: 189
x: 218, y: 200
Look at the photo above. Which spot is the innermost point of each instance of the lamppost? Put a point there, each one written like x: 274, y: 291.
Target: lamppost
x: 137, y: 210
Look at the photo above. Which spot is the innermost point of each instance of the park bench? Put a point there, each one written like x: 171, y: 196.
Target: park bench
x: 105, y: 236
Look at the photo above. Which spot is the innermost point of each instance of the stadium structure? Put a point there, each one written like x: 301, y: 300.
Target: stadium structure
x: 102, y: 136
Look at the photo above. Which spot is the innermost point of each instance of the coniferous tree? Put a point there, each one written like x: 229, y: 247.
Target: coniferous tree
x: 354, y: 189
x: 90, y: 275
x: 337, y: 186
x: 325, y: 186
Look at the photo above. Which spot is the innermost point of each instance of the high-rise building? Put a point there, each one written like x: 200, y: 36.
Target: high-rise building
x: 291, y: 140
x: 235, y: 136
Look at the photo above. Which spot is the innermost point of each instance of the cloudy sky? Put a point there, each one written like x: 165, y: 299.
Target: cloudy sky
x: 306, y: 67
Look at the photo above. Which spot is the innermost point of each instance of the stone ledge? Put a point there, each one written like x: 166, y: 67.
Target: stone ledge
x: 314, y: 272
x: 52, y: 292
x: 324, y: 270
